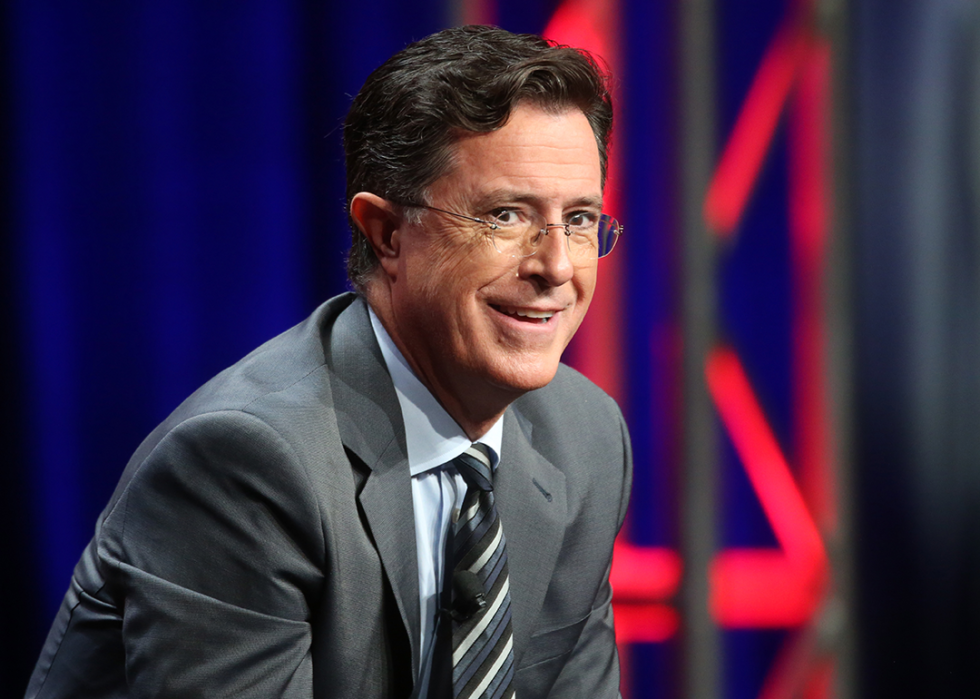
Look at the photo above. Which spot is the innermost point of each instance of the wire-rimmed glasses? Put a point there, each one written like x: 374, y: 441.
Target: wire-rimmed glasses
x: 517, y: 233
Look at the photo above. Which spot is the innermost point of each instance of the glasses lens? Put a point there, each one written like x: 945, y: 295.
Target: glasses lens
x: 506, y: 242
x: 520, y: 241
x: 609, y: 230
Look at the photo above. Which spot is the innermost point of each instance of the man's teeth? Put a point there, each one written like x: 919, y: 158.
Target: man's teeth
x: 528, y: 313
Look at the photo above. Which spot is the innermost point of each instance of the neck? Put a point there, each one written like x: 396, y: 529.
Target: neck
x: 484, y: 402
x: 475, y: 420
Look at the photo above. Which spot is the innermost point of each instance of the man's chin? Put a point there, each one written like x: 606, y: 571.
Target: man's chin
x: 519, y: 379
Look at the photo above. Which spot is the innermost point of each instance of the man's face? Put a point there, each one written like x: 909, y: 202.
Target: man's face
x: 473, y: 322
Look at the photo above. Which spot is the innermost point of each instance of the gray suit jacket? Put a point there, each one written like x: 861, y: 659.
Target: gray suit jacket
x: 261, y: 542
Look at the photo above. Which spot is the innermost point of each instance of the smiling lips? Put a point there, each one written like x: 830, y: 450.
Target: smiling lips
x: 527, y: 314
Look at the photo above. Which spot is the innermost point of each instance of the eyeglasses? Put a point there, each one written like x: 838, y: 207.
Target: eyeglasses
x: 517, y: 233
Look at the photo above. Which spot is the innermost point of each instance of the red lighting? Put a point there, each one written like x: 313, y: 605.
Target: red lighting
x: 746, y: 150
x: 641, y: 573
x: 645, y: 623
x: 763, y: 459
x: 753, y: 587
x: 809, y: 211
x: 762, y: 588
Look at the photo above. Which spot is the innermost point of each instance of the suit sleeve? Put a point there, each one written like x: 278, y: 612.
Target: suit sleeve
x: 210, y: 549
x: 592, y: 670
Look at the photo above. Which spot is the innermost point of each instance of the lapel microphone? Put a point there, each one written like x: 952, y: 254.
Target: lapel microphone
x: 469, y: 595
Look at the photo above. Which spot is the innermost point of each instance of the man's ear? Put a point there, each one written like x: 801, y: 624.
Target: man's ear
x: 380, y: 223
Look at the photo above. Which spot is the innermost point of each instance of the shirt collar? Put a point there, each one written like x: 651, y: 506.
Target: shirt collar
x: 432, y: 436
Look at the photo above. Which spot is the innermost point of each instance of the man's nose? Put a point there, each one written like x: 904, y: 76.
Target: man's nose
x: 551, y: 261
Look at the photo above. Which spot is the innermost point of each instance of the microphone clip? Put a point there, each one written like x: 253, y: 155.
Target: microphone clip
x: 469, y: 598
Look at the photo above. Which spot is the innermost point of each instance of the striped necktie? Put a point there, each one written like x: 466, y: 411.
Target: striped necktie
x: 483, y: 644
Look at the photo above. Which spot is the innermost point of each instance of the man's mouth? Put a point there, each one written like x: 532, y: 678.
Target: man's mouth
x: 528, y: 315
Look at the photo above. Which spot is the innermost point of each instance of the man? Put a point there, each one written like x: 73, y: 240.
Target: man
x: 405, y: 495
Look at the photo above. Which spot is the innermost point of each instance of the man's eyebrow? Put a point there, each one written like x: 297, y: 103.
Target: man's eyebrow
x: 498, y: 196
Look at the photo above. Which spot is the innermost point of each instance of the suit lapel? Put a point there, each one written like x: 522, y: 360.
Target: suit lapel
x: 531, y: 499
x: 371, y: 428
x: 530, y: 489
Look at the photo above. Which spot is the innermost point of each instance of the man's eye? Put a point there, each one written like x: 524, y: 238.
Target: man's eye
x: 506, y: 217
x: 582, y: 220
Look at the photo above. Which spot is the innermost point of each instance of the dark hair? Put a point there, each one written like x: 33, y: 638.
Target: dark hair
x: 403, y: 122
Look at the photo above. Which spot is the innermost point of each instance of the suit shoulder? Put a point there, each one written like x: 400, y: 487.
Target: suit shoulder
x: 571, y: 412
x: 571, y: 394
x: 580, y: 430
x: 283, y: 384
x: 275, y: 366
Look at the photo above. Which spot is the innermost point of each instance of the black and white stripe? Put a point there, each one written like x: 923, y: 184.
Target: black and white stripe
x: 483, y: 646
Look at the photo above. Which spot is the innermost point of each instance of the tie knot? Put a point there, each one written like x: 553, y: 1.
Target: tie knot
x: 474, y: 466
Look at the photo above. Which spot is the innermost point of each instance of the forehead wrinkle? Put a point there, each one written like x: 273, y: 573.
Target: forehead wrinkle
x: 505, y: 195
x: 534, y: 154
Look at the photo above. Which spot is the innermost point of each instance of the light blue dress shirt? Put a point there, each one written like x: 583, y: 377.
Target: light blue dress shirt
x: 433, y: 439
